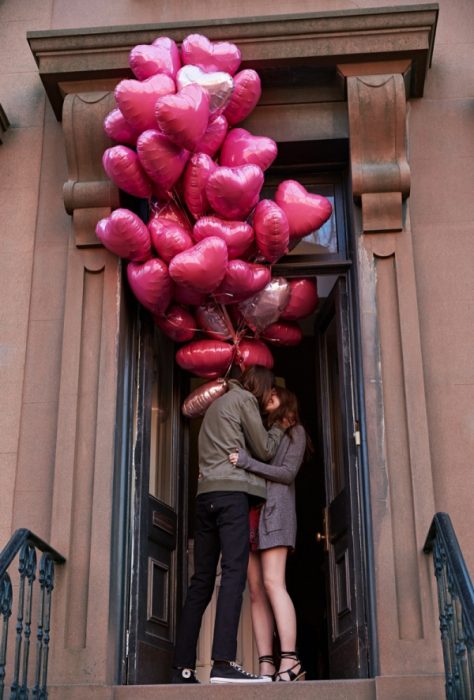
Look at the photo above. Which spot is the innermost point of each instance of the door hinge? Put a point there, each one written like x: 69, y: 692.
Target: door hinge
x: 127, y: 639
x: 356, y: 433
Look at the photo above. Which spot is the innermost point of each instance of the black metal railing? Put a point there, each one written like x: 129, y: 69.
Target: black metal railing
x: 456, y: 607
x: 25, y: 544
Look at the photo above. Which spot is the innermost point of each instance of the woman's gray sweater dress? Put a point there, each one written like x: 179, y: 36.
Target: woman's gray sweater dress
x: 278, y: 516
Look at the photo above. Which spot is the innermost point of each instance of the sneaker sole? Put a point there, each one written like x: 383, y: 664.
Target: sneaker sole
x: 240, y: 680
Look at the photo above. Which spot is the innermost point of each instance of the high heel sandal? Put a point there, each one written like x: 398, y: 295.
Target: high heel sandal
x: 268, y: 660
x: 292, y: 675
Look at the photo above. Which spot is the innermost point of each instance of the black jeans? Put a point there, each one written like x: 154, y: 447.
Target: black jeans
x: 222, y: 528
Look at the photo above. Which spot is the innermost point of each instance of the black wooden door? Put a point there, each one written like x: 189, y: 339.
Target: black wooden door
x: 158, y: 519
x: 341, y: 536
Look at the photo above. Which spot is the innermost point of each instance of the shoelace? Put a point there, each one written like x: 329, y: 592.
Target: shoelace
x: 239, y: 668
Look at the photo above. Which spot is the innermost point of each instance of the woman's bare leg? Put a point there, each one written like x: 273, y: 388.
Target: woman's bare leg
x: 262, y: 616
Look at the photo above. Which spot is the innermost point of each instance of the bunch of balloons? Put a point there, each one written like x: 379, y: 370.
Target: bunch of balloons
x: 202, y: 263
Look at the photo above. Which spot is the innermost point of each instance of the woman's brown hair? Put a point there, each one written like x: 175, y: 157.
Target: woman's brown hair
x: 289, y: 409
x: 259, y: 381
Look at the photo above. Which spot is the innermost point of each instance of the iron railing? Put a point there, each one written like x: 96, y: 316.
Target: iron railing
x: 25, y: 544
x: 456, y: 607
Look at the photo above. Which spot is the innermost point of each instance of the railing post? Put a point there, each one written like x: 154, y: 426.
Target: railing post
x: 6, y: 599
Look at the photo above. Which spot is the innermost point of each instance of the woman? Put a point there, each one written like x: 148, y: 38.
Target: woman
x: 276, y: 536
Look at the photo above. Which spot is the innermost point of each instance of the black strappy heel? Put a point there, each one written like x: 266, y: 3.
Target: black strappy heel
x: 269, y: 660
x: 292, y: 676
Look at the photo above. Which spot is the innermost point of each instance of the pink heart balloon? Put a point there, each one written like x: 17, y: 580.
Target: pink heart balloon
x: 161, y: 159
x: 203, y: 266
x: 266, y: 306
x: 233, y: 192
x: 303, y: 299
x: 117, y: 128
x: 125, y: 234
x: 214, y: 136
x: 253, y: 352
x: 151, y: 284
x: 242, y: 279
x: 188, y: 295
x: 136, y: 99
x: 196, y: 175
x: 238, y: 235
x: 211, y: 319
x: 242, y: 148
x: 178, y: 324
x: 184, y: 117
x: 168, y: 238
x: 172, y: 211
x: 205, y: 357
x: 199, y: 400
x: 306, y: 212
x: 210, y: 56
x: 283, y: 333
x: 219, y: 86
x: 162, y: 56
x: 247, y: 92
x: 272, y: 232
x: 123, y: 167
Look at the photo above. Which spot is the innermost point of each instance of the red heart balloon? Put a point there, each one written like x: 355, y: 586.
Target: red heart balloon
x: 242, y: 148
x: 238, y: 235
x: 303, y: 299
x: 188, y: 295
x: 196, y: 175
x: 172, y: 211
x: 178, y: 324
x: 151, y: 284
x: 253, y: 352
x: 203, y: 266
x: 209, y: 56
x: 242, y: 279
x: 136, y: 99
x: 233, y: 192
x: 161, y: 159
x: 306, y: 212
x: 168, y: 237
x: 162, y: 56
x: 214, y: 136
x: 117, y: 128
x: 247, y: 92
x: 184, y: 117
x: 272, y: 231
x: 283, y: 333
x: 125, y: 234
x: 123, y: 167
x: 205, y: 357
x: 210, y: 318
x: 199, y: 400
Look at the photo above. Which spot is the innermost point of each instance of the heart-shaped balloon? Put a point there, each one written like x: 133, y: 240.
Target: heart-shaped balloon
x: 178, y: 324
x: 279, y: 333
x: 172, y: 211
x: 234, y: 192
x: 136, y: 99
x: 219, y: 86
x: 303, y: 299
x: 168, y: 238
x: 123, y: 167
x: 151, y: 284
x: 203, y: 266
x: 238, y: 235
x: 211, y: 319
x: 253, y: 352
x: 306, y: 212
x: 188, y: 295
x: 210, y: 56
x: 196, y: 175
x: 199, y: 400
x: 117, y: 128
x: 242, y: 279
x: 125, y: 234
x: 161, y: 159
x: 162, y: 56
x: 247, y: 92
x: 214, y: 136
x: 272, y: 231
x: 266, y: 306
x: 184, y: 117
x: 205, y: 357
x: 242, y: 148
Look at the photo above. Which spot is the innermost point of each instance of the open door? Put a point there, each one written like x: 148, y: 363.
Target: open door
x: 341, y: 536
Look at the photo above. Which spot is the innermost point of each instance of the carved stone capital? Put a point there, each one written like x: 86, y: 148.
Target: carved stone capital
x: 88, y: 193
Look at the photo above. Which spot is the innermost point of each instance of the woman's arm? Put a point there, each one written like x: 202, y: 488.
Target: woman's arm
x: 284, y: 472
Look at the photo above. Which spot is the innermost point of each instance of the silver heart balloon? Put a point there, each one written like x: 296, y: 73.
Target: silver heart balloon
x: 219, y: 85
x: 266, y: 306
x: 199, y: 400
